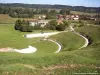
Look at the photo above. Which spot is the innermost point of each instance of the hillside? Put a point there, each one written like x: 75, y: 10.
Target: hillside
x: 66, y: 62
x: 40, y: 6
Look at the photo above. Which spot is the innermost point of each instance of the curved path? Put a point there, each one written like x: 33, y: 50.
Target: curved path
x: 59, y: 46
x: 41, y: 35
x: 46, y: 35
x: 86, y: 40
x: 30, y: 49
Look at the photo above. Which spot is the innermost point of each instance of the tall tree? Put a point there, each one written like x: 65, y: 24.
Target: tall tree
x: 52, y: 25
x: 18, y: 25
x: 61, y: 27
x: 23, y: 26
x: 64, y: 12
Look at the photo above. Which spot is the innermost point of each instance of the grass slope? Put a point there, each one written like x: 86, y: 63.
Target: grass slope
x: 64, y: 63
x: 14, y: 39
x: 69, y: 41
x: 93, y: 50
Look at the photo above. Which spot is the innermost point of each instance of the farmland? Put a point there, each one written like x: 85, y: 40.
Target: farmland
x: 83, y: 13
x: 5, y: 18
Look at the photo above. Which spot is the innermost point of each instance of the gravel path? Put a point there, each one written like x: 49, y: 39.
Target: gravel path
x: 41, y: 35
x: 86, y: 40
x: 30, y: 49
x: 45, y: 35
x: 59, y: 46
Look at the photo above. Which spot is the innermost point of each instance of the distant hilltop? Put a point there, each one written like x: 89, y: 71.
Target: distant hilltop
x: 47, y: 6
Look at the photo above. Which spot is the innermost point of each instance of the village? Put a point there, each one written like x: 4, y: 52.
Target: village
x: 42, y: 21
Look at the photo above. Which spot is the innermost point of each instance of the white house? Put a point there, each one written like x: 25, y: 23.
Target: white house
x: 33, y: 23
x: 75, y: 18
x: 40, y: 16
x: 42, y: 23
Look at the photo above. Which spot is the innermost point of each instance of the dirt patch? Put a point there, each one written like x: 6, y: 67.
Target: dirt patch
x: 8, y: 49
x: 53, y: 67
x: 29, y: 66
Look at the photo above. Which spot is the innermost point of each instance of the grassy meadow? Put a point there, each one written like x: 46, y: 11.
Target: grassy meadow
x: 83, y: 13
x: 5, y: 19
x: 69, y: 61
x: 69, y: 41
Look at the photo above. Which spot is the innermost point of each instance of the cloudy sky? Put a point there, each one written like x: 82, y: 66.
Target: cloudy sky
x: 88, y: 3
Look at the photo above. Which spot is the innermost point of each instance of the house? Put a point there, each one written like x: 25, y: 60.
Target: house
x: 68, y: 17
x: 33, y: 22
x: 93, y: 19
x: 40, y: 16
x: 42, y: 23
x: 59, y: 22
x: 76, y: 17
x: 60, y: 17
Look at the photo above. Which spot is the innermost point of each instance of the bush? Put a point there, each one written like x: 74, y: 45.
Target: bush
x: 23, y: 26
x: 61, y: 27
x: 52, y: 25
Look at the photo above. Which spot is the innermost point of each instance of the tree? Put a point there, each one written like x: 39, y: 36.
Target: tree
x: 64, y: 12
x: 97, y: 22
x: 23, y: 26
x: 81, y: 23
x: 43, y: 11
x: 50, y: 16
x: 53, y: 12
x: 52, y: 25
x: 18, y: 25
x: 65, y: 23
x: 61, y: 27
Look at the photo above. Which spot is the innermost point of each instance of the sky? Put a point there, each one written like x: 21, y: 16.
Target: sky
x: 87, y: 3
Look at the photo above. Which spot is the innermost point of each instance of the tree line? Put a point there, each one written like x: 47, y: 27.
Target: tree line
x: 41, y: 6
x: 53, y: 25
x: 19, y: 12
x: 24, y: 26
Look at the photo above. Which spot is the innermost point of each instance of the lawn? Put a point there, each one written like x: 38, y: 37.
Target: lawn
x: 14, y: 39
x: 44, y: 62
x: 69, y: 41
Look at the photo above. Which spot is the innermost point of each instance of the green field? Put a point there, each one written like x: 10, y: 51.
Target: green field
x: 69, y: 41
x: 45, y: 62
x: 83, y: 13
x: 14, y: 39
x: 6, y: 19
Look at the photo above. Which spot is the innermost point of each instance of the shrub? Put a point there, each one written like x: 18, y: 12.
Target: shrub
x: 23, y: 26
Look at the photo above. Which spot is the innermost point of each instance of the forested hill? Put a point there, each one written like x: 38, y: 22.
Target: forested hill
x: 72, y: 8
